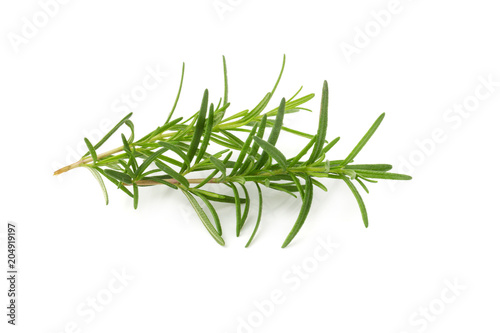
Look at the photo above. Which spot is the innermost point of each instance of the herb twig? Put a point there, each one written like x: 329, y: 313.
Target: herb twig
x: 178, y: 153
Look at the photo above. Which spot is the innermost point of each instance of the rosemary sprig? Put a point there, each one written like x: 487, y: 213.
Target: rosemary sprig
x: 173, y: 153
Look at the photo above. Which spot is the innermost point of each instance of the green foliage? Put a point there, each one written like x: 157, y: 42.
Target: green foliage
x: 178, y: 152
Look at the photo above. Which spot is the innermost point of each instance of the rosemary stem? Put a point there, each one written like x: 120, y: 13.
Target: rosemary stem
x: 147, y: 182
x: 87, y: 160
x: 108, y: 153
x: 119, y: 149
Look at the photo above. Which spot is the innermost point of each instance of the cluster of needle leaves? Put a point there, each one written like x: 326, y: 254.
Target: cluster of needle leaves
x: 173, y: 152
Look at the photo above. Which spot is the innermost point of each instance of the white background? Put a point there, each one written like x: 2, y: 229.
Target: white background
x: 61, y: 82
